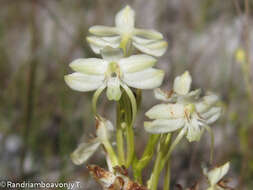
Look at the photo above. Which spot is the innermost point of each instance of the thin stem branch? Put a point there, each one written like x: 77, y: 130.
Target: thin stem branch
x: 31, y: 87
x: 146, y: 157
x: 164, y: 144
x: 119, y: 137
x: 166, y: 185
x: 111, y: 153
x: 156, y: 172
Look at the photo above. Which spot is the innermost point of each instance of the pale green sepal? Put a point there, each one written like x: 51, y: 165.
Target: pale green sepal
x: 182, y: 83
x: 91, y: 66
x: 112, y: 54
x: 162, y: 95
x: 189, y: 97
x: 194, y: 94
x: 103, y: 30
x: 148, y: 34
x: 125, y: 19
x: 84, y: 151
x: 147, y: 79
x: 142, y: 41
x: 211, y: 112
x: 212, y: 115
x: 82, y: 82
x: 113, y: 91
x: 163, y: 125
x: 136, y: 63
x: 98, y: 43
x: 166, y: 111
x: 156, y: 48
x: 206, y: 103
x: 216, y: 174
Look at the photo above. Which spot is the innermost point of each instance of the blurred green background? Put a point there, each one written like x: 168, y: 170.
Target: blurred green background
x: 42, y: 120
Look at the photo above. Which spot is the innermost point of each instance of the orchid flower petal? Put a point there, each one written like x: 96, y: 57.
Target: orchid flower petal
x: 103, y: 31
x: 147, y: 79
x: 156, y: 48
x: 182, y: 83
x: 84, y: 151
x: 98, y: 43
x: 125, y: 18
x: 136, y: 63
x: 216, y: 174
x: 82, y: 82
x: 148, y: 34
x: 166, y: 111
x: 163, y: 125
x: 91, y: 66
x: 206, y: 103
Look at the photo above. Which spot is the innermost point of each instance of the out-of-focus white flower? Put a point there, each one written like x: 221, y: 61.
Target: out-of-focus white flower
x: 114, y: 71
x: 85, y: 150
x: 181, y: 90
x: 124, y: 34
x: 215, y: 176
x: 190, y: 113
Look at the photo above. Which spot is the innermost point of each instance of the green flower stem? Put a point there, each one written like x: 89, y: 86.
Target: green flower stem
x: 166, y: 184
x: 172, y: 147
x: 130, y: 146
x: 120, y: 146
x: 119, y: 137
x: 212, y: 142
x: 160, y: 159
x: 111, y: 153
x: 146, y: 157
x: 156, y: 172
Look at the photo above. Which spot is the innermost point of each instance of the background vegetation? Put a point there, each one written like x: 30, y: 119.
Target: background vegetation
x: 42, y: 120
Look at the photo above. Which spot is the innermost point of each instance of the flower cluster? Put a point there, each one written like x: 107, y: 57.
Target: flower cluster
x: 125, y: 68
x: 185, y: 110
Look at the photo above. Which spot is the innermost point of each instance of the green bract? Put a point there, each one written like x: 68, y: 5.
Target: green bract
x: 125, y: 35
x: 215, y: 176
x: 113, y: 71
x: 189, y: 115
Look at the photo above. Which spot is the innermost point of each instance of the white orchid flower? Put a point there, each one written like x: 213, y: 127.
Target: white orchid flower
x: 189, y: 117
x: 114, y: 71
x: 124, y: 34
x: 85, y: 150
x: 215, y: 176
x: 181, y: 90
